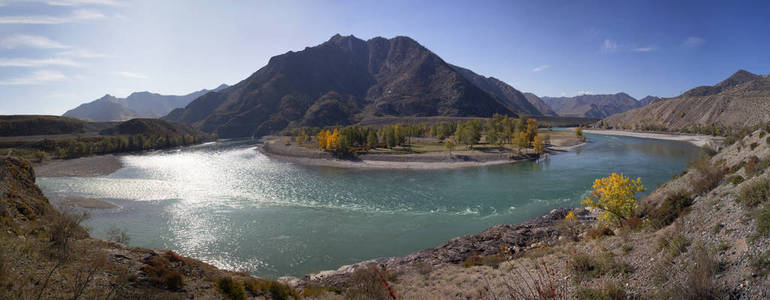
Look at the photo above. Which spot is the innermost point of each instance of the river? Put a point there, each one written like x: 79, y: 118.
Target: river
x: 227, y: 204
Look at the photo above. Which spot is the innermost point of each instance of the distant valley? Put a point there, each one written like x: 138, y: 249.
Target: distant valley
x: 595, y: 106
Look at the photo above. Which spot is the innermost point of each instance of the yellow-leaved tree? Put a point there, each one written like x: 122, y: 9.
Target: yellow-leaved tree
x: 616, y: 196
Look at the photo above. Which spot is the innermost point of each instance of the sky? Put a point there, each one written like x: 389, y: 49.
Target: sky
x: 57, y: 54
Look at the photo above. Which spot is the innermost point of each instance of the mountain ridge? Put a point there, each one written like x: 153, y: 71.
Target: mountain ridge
x: 740, y: 101
x: 592, y: 106
x: 343, y: 81
x: 142, y: 104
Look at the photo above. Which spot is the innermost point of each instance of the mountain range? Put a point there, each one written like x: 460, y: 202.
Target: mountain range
x: 595, y: 106
x: 738, y: 101
x: 346, y: 80
x: 136, y: 105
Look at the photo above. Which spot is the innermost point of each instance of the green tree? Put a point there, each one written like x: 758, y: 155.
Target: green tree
x: 371, y: 139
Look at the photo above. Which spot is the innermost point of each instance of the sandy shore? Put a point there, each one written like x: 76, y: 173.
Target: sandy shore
x: 697, y: 140
x: 83, y: 202
x: 91, y: 166
x: 424, y: 161
x: 378, y: 164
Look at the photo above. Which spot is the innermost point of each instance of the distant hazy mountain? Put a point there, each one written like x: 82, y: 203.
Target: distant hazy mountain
x: 344, y: 81
x: 592, y: 106
x: 742, y: 100
x: 540, y: 105
x: 647, y: 100
x: 136, y: 105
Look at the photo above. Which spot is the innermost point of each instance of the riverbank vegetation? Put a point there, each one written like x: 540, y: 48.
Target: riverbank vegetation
x: 500, y: 132
x: 128, y: 136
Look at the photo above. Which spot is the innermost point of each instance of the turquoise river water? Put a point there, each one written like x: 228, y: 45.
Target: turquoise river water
x: 227, y: 204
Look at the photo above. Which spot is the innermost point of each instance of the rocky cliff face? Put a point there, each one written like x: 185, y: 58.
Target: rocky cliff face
x: 742, y: 100
x: 340, y: 82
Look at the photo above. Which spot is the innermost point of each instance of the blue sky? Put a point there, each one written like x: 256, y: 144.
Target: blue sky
x: 56, y: 54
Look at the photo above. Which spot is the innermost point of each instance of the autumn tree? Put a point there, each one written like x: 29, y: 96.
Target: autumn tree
x: 616, y: 196
x: 531, y: 129
x: 450, y: 144
x: 538, y: 144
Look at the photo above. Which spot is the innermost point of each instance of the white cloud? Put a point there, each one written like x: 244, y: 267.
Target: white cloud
x: 583, y: 93
x: 83, y: 2
x: 76, y: 16
x: 27, y: 62
x: 609, y: 46
x: 692, y: 42
x: 38, y: 77
x: 131, y: 75
x: 645, y: 49
x: 540, y: 68
x: 82, y: 53
x: 30, y: 41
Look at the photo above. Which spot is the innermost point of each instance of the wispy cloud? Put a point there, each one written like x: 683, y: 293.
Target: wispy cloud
x: 27, y: 62
x: 130, y: 75
x: 83, y: 2
x: 645, y: 49
x: 540, y: 68
x: 76, y: 16
x: 38, y: 77
x: 30, y: 41
x: 609, y: 46
x: 692, y: 42
x: 82, y: 53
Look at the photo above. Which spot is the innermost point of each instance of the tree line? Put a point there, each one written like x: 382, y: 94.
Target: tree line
x: 85, y: 146
x: 499, y: 130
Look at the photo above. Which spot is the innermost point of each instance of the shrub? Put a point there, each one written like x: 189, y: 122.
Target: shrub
x: 569, y: 226
x: 158, y: 268
x: 672, y: 207
x: 488, y: 260
x: 584, y: 266
x: 230, y: 288
x: 767, y: 140
x: 64, y: 228
x: 673, y: 244
x: 753, y: 146
x: 762, y: 221
x: 717, y: 228
x: 709, y: 175
x: 274, y: 289
x: 754, y: 193
x: 610, y: 291
x: 366, y: 283
x: 736, y: 180
x: 540, y: 282
x: 600, y: 232
x: 615, y: 195
x: 750, y: 168
x: 626, y: 249
x: 760, y: 263
x: 317, y: 291
x: 633, y: 224
x: 699, y: 279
